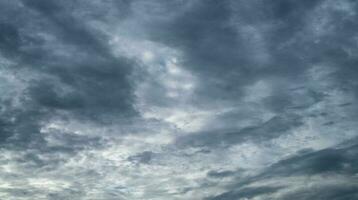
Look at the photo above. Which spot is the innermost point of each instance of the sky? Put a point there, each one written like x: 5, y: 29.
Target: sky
x: 178, y: 99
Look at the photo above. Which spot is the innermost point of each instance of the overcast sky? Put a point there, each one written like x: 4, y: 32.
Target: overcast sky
x: 178, y: 99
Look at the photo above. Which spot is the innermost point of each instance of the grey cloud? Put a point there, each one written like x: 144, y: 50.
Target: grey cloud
x: 215, y: 50
x: 209, y: 36
x: 92, y: 71
x: 268, y: 80
x: 144, y: 157
x: 330, y: 163
x: 67, y: 26
x: 21, y: 127
x: 245, y: 193
x: 220, y: 174
x: 330, y: 192
x: 339, y: 160
x: 325, y: 161
x: 89, y: 82
x: 9, y: 38
x: 270, y: 129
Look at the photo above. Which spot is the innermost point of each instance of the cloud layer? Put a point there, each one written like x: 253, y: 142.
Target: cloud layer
x: 178, y: 99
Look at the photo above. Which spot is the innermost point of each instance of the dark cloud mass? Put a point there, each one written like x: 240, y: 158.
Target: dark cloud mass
x: 181, y: 99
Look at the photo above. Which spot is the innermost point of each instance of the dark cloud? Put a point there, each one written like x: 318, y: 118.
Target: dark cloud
x: 329, y: 163
x: 246, y: 193
x: 217, y: 39
x: 270, y: 129
x: 91, y: 89
x: 9, y: 39
x: 329, y: 192
x: 144, y: 157
x: 74, y: 72
x: 220, y: 174
x: 339, y: 161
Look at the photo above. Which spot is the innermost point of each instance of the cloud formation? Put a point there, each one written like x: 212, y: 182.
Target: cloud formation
x: 178, y: 99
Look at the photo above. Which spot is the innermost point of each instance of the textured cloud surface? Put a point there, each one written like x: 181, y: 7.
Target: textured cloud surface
x: 180, y: 99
